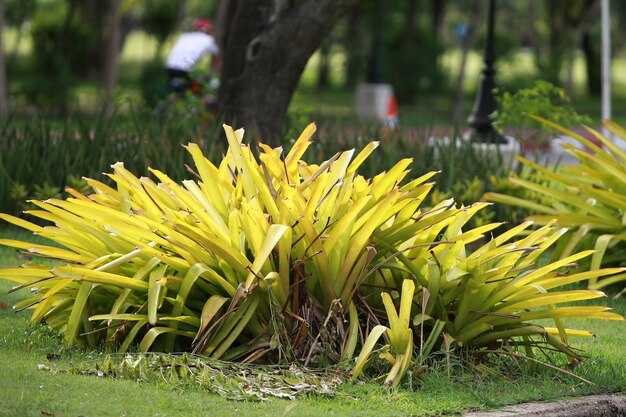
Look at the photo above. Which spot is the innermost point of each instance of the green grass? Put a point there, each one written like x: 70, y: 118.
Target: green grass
x: 28, y: 391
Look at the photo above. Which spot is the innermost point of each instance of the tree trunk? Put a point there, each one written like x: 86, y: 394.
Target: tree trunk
x: 111, y: 54
x: 4, y: 101
x: 589, y: 15
x: 437, y: 13
x: 593, y: 68
x: 556, y: 41
x: 323, y: 69
x: 375, y: 65
x: 266, y: 45
x: 466, y: 45
x: 355, y: 45
x: 221, y: 18
x: 533, y: 35
x: 410, y: 27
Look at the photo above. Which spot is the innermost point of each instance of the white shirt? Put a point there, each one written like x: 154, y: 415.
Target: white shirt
x: 189, y: 49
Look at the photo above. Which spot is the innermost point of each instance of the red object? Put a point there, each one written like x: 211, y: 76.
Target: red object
x: 392, y: 107
x: 391, y: 115
x: 202, y: 24
x: 195, y: 87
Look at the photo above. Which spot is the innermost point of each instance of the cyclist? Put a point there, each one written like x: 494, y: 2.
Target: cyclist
x: 188, y: 50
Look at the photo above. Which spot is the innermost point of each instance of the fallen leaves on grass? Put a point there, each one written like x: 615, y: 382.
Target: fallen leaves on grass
x: 229, y: 380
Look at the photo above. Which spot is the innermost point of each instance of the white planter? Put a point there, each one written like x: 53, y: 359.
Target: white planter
x: 506, y: 152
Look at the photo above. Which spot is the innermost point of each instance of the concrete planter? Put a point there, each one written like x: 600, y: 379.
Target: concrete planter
x: 506, y: 152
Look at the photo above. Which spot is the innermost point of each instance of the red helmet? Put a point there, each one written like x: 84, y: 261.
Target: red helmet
x: 203, y: 24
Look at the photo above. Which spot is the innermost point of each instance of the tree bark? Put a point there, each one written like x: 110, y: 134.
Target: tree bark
x: 556, y: 41
x: 593, y: 67
x: 437, y: 13
x: 266, y: 45
x: 4, y: 101
x: 410, y: 27
x: 323, y: 69
x: 355, y: 45
x: 221, y: 18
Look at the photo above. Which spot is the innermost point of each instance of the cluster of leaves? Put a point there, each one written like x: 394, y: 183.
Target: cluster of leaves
x: 587, y: 198
x: 230, y: 380
x: 21, y: 193
x: 542, y: 99
x: 273, y: 259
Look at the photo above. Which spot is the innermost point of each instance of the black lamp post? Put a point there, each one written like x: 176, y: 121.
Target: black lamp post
x: 485, y: 104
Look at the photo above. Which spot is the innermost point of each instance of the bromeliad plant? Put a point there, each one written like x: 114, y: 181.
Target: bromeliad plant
x: 587, y: 198
x: 399, y: 333
x: 274, y: 259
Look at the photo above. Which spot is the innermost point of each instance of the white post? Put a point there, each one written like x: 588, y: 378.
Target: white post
x: 606, y: 63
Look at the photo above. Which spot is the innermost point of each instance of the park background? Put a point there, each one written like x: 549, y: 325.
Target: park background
x: 57, y: 60
x: 74, y: 106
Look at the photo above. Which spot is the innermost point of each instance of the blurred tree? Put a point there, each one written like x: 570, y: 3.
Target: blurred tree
x: 566, y: 21
x: 354, y: 42
x: 413, y: 48
x: 53, y: 31
x: 323, y: 69
x: 16, y: 13
x: 583, y: 40
x: 160, y: 20
x: 112, y: 36
x: 4, y: 103
x: 73, y: 40
x: 201, y: 9
x: 465, y: 34
x: 437, y: 13
x: 92, y: 14
x: 266, y: 45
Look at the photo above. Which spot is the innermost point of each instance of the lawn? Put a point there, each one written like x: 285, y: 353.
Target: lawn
x: 444, y: 389
x: 29, y: 391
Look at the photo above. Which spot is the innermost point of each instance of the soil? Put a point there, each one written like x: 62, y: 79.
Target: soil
x: 592, y: 406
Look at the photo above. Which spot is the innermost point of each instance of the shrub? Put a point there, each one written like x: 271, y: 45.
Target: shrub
x: 274, y: 259
x: 542, y: 99
x: 587, y: 198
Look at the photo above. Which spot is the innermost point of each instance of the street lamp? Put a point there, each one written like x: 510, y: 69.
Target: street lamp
x: 485, y: 104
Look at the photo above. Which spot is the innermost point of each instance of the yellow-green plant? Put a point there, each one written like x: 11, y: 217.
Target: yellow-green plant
x: 494, y: 294
x: 399, y: 351
x: 256, y: 257
x: 272, y: 258
x: 588, y: 198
